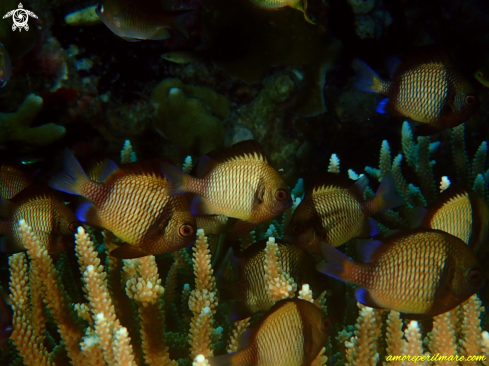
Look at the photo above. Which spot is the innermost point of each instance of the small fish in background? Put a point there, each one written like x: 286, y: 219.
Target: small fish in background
x: 334, y: 211
x: 300, y: 5
x: 462, y: 213
x: 6, y: 314
x: 420, y: 272
x: 237, y: 182
x: 130, y: 201
x: 5, y: 66
x: 482, y: 76
x: 242, y: 275
x: 181, y: 57
x: 291, y: 333
x: 425, y: 87
x: 13, y: 179
x: 144, y: 19
x: 51, y: 220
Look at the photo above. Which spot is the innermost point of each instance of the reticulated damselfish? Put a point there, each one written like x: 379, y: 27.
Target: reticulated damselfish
x: 291, y: 334
x: 425, y: 87
x: 53, y: 223
x: 236, y: 182
x: 334, y: 211
x: 421, y: 272
x: 130, y: 201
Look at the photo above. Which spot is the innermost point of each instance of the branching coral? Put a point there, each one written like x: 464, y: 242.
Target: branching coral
x: 15, y: 127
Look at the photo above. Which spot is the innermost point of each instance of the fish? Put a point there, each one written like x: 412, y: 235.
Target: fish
x: 237, y: 182
x: 424, y: 87
x: 53, y: 222
x: 6, y: 314
x: 460, y: 212
x: 13, y: 179
x: 242, y: 275
x: 482, y: 76
x: 5, y: 66
x: 333, y: 210
x: 142, y: 20
x: 420, y: 272
x: 291, y: 333
x: 130, y: 201
x: 300, y: 5
x: 180, y: 57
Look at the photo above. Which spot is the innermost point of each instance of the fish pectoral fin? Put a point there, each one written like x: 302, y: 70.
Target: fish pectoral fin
x: 363, y: 297
x: 127, y: 251
x: 386, y: 106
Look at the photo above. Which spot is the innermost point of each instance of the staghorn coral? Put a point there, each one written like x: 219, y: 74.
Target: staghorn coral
x: 15, y: 127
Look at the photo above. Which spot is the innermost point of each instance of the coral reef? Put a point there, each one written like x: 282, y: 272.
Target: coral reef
x: 190, y: 116
x: 16, y: 127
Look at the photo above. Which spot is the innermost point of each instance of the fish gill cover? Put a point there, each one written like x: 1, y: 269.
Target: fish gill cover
x: 200, y: 182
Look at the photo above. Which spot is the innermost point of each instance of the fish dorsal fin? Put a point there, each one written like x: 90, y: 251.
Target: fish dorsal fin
x: 249, y: 149
x: 331, y: 180
x: 422, y: 56
x: 102, y: 170
x: 34, y: 192
x: 127, y: 251
x: 147, y: 167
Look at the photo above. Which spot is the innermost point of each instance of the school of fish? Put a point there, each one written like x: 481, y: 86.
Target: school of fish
x: 154, y: 207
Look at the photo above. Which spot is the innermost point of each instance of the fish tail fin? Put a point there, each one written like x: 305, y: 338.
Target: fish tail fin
x: 367, y: 79
x: 178, y: 22
x: 177, y: 179
x: 385, y: 197
x: 336, y: 264
x: 71, y: 178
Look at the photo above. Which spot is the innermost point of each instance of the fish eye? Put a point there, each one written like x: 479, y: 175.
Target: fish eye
x: 186, y: 230
x: 479, y: 74
x: 100, y: 8
x: 470, y: 100
x: 474, y: 276
x: 325, y: 324
x: 281, y: 195
x: 297, y: 229
x: 73, y: 226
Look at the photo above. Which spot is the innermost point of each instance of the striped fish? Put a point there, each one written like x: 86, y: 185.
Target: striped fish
x: 13, y: 179
x: 130, y: 201
x: 291, y: 334
x: 243, y: 275
x: 333, y: 210
x: 237, y: 182
x: 421, y: 272
x: 51, y: 220
x: 425, y: 87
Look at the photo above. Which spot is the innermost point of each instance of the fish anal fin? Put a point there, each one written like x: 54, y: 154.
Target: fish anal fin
x: 160, y: 34
x: 198, y: 206
x: 240, y: 228
x: 127, y: 251
x: 88, y: 213
x: 363, y: 297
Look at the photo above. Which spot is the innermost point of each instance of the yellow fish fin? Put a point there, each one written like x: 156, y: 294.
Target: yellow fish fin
x: 242, y: 150
x: 127, y: 251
